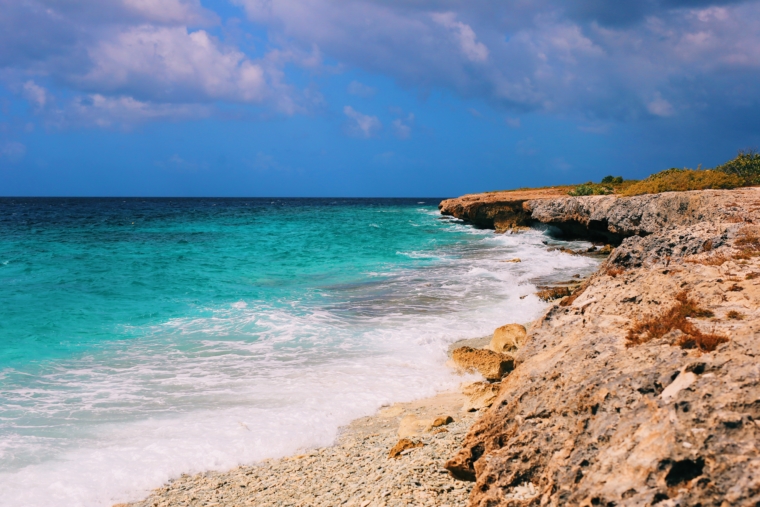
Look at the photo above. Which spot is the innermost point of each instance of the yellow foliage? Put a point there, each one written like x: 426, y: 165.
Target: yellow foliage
x: 679, y: 180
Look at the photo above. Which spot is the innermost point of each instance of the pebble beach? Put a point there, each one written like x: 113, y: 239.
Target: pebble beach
x: 356, y: 471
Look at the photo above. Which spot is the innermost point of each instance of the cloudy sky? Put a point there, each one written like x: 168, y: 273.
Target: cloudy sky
x: 368, y: 97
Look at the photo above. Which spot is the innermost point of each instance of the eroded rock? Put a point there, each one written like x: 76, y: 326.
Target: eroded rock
x: 590, y: 418
x: 481, y: 395
x: 508, y: 338
x: 492, y: 365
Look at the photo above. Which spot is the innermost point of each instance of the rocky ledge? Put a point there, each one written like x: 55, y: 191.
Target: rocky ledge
x: 643, y: 386
x: 604, y: 217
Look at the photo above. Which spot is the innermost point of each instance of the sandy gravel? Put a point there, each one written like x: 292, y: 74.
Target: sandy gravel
x: 355, y: 472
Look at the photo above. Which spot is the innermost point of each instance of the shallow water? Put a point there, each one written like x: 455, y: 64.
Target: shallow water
x: 143, y: 338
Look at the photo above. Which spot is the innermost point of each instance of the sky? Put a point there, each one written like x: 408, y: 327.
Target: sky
x: 368, y: 98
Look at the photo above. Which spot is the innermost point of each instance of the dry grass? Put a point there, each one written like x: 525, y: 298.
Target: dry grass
x: 752, y: 276
x: 735, y: 288
x: 713, y: 260
x: 681, y: 180
x: 748, y: 243
x: 734, y: 315
x: 657, y: 326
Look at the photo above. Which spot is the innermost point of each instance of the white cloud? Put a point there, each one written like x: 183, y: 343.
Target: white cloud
x: 659, y: 106
x: 360, y: 90
x: 362, y: 125
x: 35, y: 94
x: 596, y: 60
x: 170, y: 11
x: 468, y: 43
x: 174, y: 65
x: 124, y: 111
x: 403, y: 126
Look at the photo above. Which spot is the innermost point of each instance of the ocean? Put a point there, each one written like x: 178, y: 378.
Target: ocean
x: 145, y: 338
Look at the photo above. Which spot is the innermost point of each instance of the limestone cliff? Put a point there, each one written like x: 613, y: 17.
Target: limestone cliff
x: 618, y: 397
x: 603, y: 217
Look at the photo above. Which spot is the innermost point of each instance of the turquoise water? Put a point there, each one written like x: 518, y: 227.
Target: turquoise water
x: 143, y: 338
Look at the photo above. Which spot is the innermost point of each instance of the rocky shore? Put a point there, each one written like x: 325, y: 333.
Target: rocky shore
x: 638, y: 386
x: 643, y: 386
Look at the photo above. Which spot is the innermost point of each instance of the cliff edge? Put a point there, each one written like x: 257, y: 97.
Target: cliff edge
x: 643, y: 386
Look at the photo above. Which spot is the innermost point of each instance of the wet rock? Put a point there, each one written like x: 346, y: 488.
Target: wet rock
x: 552, y: 293
x: 492, y: 365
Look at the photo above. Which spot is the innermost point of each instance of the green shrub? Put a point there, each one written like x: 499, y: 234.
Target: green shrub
x: 612, y: 180
x: 680, y: 180
x: 746, y: 166
x: 591, y: 188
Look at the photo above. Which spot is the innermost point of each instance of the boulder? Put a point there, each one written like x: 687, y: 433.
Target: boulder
x: 403, y: 445
x: 492, y: 365
x: 481, y: 395
x: 508, y: 338
x: 442, y: 421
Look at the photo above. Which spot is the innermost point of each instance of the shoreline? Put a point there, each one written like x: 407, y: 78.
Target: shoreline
x: 355, y: 471
x: 358, y: 461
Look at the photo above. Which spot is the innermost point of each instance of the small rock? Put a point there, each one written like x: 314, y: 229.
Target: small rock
x: 442, y: 421
x: 492, y: 365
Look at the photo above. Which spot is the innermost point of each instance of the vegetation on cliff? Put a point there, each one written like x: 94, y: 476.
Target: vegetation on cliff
x: 742, y: 171
x: 681, y: 180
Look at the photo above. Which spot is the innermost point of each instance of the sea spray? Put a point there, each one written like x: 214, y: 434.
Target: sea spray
x: 147, y: 338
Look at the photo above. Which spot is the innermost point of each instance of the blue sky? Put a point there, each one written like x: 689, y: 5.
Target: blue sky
x: 367, y: 97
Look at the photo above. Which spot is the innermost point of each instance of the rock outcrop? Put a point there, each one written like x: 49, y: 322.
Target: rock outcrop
x: 492, y: 365
x: 590, y: 416
x: 608, y: 218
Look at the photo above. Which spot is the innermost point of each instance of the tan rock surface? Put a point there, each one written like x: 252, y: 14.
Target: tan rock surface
x: 492, y: 365
x: 403, y: 445
x: 480, y: 395
x: 585, y: 419
x: 508, y: 338
x: 502, y: 211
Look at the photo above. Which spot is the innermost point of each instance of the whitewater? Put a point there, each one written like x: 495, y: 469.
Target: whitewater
x: 145, y: 338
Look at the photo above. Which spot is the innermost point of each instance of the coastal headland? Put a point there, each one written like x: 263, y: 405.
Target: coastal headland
x: 641, y: 386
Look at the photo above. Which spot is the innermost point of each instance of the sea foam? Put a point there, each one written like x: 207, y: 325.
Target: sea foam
x: 244, y: 380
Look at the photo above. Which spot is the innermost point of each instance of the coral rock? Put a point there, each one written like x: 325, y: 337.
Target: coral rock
x: 492, y: 365
x: 508, y: 338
